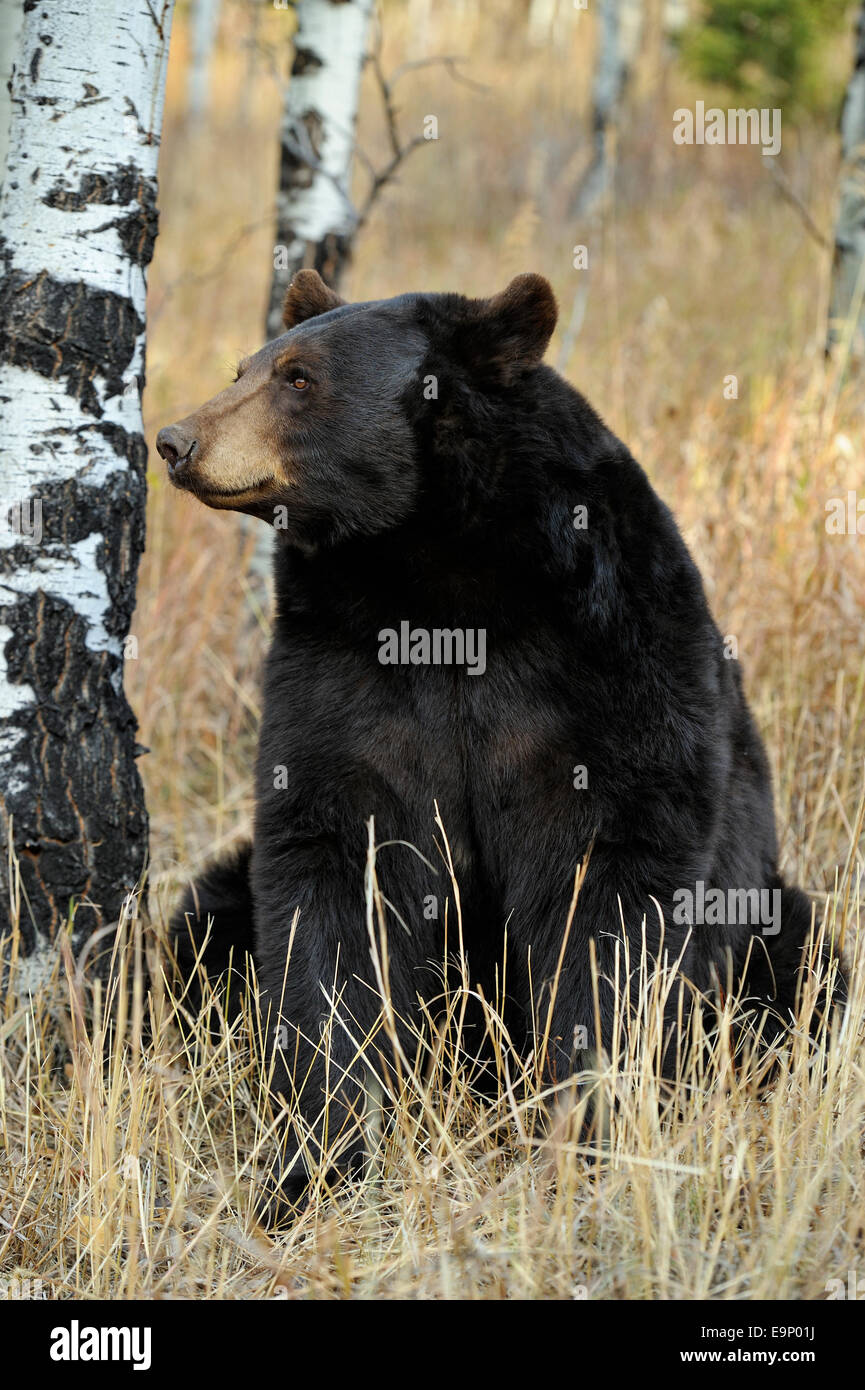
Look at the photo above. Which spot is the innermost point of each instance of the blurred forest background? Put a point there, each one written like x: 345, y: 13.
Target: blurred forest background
x: 704, y: 262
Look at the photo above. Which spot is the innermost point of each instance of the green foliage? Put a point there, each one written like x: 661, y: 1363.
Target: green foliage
x: 770, y: 52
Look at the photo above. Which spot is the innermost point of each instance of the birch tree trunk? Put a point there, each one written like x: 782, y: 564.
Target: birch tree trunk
x: 540, y: 21
x: 315, y: 217
x: 78, y: 221
x: 205, y: 24
x: 10, y: 31
x: 620, y: 29
x: 847, y: 312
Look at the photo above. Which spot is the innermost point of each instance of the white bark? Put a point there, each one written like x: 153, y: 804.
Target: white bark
x: 675, y: 16
x: 315, y: 215
x: 847, y: 313
x: 205, y: 23
x: 11, y: 14
x: 334, y: 34
x: 77, y: 224
x: 542, y: 17
x: 620, y: 28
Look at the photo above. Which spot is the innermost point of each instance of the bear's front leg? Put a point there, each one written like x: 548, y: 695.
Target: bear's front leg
x: 579, y: 956
x: 339, y: 999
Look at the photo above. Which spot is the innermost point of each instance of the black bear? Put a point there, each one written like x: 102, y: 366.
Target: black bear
x: 481, y: 604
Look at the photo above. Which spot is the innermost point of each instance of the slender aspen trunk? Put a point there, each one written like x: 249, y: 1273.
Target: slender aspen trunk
x: 205, y: 24
x: 78, y: 221
x: 620, y: 27
x: 10, y: 30
x: 315, y: 216
x: 847, y: 312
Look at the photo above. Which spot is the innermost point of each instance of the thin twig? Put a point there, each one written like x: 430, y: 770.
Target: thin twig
x: 385, y: 176
x: 448, y: 61
x: 787, y: 191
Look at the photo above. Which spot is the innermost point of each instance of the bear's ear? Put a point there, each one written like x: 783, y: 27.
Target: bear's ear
x: 306, y: 297
x: 513, y: 329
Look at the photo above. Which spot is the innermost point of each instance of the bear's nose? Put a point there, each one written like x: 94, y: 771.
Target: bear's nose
x: 175, y: 447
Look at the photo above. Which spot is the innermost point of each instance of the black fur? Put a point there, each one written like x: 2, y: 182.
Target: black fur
x: 212, y: 928
x: 455, y: 509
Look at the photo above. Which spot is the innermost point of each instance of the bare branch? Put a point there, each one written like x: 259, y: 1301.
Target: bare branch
x: 390, y: 113
x: 399, y: 151
x: 786, y: 189
x: 447, y: 60
x: 385, y: 176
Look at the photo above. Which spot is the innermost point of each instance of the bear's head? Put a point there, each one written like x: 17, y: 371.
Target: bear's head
x: 320, y: 434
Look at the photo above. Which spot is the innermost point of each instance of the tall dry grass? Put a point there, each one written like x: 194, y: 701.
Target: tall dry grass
x: 134, y: 1176
x: 138, y: 1146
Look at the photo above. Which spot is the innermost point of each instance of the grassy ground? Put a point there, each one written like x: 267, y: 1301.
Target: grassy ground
x: 134, y: 1179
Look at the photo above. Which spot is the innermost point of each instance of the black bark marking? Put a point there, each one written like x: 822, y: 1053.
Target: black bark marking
x: 85, y: 834
x: 86, y: 830
x: 329, y: 256
x: 132, y: 447
x: 299, y: 155
x: 305, y: 60
x: 71, y: 511
x: 137, y: 229
x: 69, y: 332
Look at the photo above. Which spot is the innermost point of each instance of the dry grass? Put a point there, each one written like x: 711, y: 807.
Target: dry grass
x: 136, y: 1148
x: 131, y: 1176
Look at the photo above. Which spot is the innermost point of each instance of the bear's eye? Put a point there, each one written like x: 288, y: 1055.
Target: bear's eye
x: 294, y: 373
